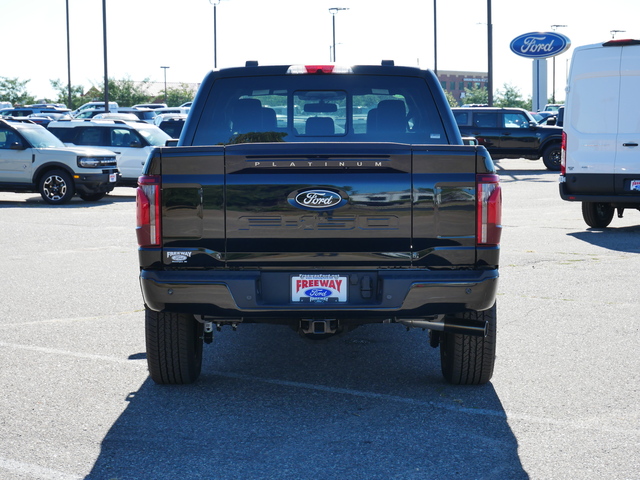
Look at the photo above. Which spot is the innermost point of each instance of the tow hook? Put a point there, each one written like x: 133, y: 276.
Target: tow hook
x: 208, y: 332
x: 319, y: 327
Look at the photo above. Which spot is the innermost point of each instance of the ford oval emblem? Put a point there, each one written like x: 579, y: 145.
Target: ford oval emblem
x: 317, y: 292
x: 317, y: 199
x: 540, y: 44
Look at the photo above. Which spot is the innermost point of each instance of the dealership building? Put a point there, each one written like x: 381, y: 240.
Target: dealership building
x: 456, y: 82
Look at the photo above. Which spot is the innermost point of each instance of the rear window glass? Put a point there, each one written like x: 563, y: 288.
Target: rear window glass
x: 333, y: 108
x: 462, y: 118
x: 485, y: 120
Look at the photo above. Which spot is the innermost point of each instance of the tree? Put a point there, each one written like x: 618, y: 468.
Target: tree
x: 178, y: 96
x: 15, y: 91
x: 510, y: 96
x: 451, y: 99
x: 62, y: 91
x: 126, y: 92
x: 476, y: 95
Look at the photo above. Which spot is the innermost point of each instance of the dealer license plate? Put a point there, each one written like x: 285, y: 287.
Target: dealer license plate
x: 113, y: 177
x: 319, y: 289
x: 635, y: 185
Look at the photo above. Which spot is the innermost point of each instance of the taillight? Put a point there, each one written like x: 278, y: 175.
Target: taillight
x: 563, y: 155
x: 148, y: 211
x: 489, y: 209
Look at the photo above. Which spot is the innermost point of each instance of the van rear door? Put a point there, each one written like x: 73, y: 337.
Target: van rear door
x: 592, y: 122
x: 627, y: 158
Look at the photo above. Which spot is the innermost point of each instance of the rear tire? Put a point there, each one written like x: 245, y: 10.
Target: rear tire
x: 174, y: 347
x: 466, y: 359
x: 92, y: 197
x: 552, y: 157
x: 597, y: 215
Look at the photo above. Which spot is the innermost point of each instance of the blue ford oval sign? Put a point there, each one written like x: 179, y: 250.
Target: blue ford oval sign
x: 540, y: 44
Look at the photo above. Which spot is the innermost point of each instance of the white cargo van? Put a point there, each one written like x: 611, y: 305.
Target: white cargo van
x: 601, y: 138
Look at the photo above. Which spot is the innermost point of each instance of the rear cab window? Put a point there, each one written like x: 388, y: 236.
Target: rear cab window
x: 333, y: 108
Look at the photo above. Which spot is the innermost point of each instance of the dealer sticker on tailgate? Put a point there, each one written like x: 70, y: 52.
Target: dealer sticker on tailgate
x: 635, y: 186
x: 319, y: 288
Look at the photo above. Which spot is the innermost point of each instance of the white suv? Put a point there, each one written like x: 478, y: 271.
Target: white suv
x: 131, y: 141
x: 32, y: 159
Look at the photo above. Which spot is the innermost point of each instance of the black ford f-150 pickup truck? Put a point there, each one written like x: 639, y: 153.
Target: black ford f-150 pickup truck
x: 323, y: 198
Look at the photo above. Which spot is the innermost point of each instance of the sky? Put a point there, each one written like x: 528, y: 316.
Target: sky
x: 144, y: 35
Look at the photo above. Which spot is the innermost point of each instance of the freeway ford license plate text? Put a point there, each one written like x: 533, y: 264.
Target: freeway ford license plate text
x: 319, y: 288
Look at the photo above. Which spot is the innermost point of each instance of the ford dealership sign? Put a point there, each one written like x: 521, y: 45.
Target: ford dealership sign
x: 540, y: 44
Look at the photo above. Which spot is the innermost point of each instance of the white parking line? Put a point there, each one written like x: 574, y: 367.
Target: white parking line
x: 508, y: 416
x: 53, y: 351
x: 371, y: 395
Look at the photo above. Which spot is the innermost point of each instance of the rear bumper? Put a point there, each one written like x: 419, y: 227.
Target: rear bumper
x: 256, y: 294
x: 632, y: 200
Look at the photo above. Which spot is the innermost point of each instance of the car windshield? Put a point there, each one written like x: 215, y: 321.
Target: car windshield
x: 153, y: 135
x: 40, y: 137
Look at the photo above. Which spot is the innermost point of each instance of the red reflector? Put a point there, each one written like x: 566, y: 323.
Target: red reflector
x: 148, y: 211
x: 489, y: 209
x: 563, y: 155
x: 319, y: 68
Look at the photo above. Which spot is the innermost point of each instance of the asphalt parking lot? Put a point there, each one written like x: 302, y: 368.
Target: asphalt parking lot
x: 76, y: 403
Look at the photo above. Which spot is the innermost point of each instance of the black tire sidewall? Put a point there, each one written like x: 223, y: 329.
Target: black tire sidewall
x: 66, y: 178
x: 547, y: 157
x: 597, y: 215
x: 466, y: 359
x: 174, y: 347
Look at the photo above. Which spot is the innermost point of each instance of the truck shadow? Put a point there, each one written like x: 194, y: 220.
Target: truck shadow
x: 368, y: 405
x: 623, y: 239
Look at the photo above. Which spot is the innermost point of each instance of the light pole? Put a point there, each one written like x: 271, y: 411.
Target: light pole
x: 68, y: 59
x: 553, y: 73
x: 165, y: 83
x: 613, y: 33
x: 489, y: 56
x: 333, y: 11
x: 215, y: 3
x: 435, y: 39
x: 106, y: 76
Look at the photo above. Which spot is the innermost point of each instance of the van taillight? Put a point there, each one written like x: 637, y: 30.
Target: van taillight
x: 148, y: 211
x: 563, y: 155
x: 489, y: 209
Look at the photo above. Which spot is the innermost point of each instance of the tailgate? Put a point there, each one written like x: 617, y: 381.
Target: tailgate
x: 355, y: 204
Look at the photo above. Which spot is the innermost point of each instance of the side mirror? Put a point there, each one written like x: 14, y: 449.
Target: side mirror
x: 560, y: 120
x: 136, y: 144
x: 533, y: 125
x: 17, y: 146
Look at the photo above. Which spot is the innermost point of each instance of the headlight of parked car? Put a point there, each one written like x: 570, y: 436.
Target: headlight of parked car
x: 96, y: 162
